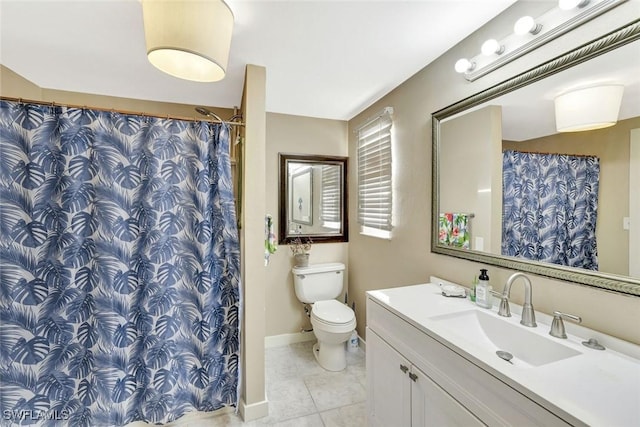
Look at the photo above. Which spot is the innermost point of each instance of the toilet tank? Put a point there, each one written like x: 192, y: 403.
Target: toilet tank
x: 318, y: 282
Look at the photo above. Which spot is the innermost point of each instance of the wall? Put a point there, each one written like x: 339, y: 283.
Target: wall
x: 406, y: 258
x: 468, y: 155
x: 295, y: 135
x: 254, y: 401
x: 15, y: 86
x: 634, y: 204
x: 611, y: 145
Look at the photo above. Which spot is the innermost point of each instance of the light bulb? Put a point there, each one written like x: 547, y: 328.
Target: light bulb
x: 525, y: 25
x: 492, y: 46
x: 463, y: 65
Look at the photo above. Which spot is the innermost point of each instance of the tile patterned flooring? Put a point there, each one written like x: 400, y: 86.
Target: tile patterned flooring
x: 302, y: 394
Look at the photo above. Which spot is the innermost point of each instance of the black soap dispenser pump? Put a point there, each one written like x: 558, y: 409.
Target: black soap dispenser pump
x: 483, y: 290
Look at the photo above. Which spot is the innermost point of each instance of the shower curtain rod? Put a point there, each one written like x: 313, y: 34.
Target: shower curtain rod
x: 137, y: 113
x: 547, y: 153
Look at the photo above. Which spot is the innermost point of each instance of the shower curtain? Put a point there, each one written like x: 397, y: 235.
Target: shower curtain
x: 119, y: 296
x: 550, y: 206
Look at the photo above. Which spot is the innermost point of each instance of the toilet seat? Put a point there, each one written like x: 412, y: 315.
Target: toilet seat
x: 332, y: 313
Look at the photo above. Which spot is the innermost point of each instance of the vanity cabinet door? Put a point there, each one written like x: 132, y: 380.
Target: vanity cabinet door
x: 388, y: 385
x: 432, y: 406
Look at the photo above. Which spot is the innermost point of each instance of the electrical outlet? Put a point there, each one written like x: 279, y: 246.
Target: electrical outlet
x: 626, y: 223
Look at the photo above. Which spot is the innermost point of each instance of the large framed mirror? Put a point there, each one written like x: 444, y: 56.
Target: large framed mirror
x: 510, y: 190
x: 313, y: 198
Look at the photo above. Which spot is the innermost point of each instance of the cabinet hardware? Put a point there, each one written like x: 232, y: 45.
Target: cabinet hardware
x: 404, y: 368
x: 413, y: 376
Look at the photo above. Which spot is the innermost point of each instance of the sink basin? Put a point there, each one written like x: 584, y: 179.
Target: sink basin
x: 496, y: 333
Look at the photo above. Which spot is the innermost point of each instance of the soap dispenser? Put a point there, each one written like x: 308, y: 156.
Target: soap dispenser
x: 483, y: 290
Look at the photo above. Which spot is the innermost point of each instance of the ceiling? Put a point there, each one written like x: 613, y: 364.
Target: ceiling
x: 529, y: 112
x: 326, y: 59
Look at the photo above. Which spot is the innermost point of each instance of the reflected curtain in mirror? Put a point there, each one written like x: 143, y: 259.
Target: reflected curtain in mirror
x: 550, y: 205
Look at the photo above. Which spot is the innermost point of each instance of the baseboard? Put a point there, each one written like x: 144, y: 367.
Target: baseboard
x: 253, y: 411
x: 362, y: 343
x: 190, y: 419
x: 286, y: 339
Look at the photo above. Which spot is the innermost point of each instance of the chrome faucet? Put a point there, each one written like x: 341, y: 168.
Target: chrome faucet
x: 557, y: 325
x: 528, y: 315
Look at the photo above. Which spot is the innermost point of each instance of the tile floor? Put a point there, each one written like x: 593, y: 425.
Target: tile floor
x: 302, y: 394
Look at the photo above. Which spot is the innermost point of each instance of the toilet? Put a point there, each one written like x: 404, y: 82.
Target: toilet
x: 332, y: 321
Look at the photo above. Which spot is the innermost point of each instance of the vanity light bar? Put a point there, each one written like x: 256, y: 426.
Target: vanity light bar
x: 530, y: 33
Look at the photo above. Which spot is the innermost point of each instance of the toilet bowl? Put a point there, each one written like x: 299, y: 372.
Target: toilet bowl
x: 332, y: 321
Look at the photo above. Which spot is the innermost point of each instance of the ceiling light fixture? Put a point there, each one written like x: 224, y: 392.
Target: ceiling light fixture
x: 531, y: 32
x: 492, y: 47
x: 188, y: 39
x: 588, y: 108
x: 525, y: 25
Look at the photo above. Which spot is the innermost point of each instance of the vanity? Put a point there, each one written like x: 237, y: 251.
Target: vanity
x: 431, y: 360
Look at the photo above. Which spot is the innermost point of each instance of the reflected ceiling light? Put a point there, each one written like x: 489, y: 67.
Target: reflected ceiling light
x: 570, y: 4
x: 589, y: 108
x: 188, y: 39
x: 525, y: 25
x: 463, y: 65
x: 492, y: 46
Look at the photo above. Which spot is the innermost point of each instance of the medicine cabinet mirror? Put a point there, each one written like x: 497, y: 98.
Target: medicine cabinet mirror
x: 313, y: 198
x: 472, y: 189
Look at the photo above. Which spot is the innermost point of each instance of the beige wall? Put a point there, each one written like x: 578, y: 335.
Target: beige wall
x: 611, y: 145
x: 15, y: 86
x: 469, y: 153
x: 406, y: 258
x: 254, y: 398
x: 295, y: 135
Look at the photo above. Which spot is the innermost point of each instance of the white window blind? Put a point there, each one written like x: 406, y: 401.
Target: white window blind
x: 374, y: 173
x: 330, y: 211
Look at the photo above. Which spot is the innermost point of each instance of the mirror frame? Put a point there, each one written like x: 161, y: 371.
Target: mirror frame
x: 599, y: 46
x: 284, y: 159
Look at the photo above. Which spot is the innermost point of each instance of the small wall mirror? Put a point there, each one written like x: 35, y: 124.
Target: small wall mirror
x: 313, y: 198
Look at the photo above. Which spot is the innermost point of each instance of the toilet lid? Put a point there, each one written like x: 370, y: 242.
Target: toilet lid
x: 332, y: 311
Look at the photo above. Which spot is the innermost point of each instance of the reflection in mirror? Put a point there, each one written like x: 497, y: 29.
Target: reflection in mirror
x: 313, y: 198
x: 511, y: 190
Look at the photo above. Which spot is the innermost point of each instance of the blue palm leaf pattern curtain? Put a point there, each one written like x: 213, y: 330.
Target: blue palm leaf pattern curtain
x: 550, y: 205
x: 119, y: 296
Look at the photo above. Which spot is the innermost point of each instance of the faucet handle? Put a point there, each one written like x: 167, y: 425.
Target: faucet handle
x: 504, y: 310
x: 557, y: 325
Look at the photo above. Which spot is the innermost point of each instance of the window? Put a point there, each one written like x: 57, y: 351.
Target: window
x: 331, y: 190
x: 374, y: 176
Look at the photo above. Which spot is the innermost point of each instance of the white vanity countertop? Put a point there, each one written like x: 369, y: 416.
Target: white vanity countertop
x: 599, y: 388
